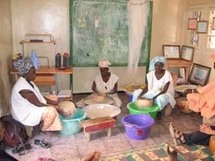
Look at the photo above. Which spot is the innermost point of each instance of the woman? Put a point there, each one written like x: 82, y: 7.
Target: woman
x: 200, y: 100
x: 28, y: 105
x: 159, y: 85
x: 106, y: 83
x: 201, y: 137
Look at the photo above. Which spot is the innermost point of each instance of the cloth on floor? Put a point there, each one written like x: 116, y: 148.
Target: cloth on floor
x: 185, y: 153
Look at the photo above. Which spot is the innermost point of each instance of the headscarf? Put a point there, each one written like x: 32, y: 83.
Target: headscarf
x: 155, y: 60
x: 23, y: 65
x: 104, y: 63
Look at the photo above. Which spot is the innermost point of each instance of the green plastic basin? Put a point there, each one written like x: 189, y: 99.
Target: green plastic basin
x: 151, y: 110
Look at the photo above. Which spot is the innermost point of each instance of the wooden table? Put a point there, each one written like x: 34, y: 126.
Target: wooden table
x: 46, y: 75
x: 176, y: 63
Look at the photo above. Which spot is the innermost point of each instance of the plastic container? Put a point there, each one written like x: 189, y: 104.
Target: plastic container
x: 35, y: 59
x: 58, y: 60
x: 66, y: 62
x: 137, y: 126
x: 71, y: 125
x: 130, y: 97
x: 152, y: 110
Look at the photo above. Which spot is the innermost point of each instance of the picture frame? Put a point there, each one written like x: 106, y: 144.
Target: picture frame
x: 187, y: 53
x: 192, y: 24
x: 202, y: 27
x: 171, y: 51
x: 199, y: 74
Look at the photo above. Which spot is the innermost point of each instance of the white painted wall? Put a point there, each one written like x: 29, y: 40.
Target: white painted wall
x: 52, y: 16
x: 202, y: 54
x: 42, y: 17
x: 83, y: 77
x: 5, y: 54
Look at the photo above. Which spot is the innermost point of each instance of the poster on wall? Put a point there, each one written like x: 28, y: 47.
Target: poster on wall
x: 192, y: 24
x: 202, y: 27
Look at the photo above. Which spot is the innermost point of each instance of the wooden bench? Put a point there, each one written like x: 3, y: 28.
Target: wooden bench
x: 97, y: 124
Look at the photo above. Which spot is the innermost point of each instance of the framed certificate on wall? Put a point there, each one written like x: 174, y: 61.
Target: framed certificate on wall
x: 187, y: 53
x: 192, y: 24
x: 202, y: 27
x: 171, y: 51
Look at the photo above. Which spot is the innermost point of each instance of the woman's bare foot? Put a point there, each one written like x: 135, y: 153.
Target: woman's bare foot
x: 171, y: 154
x: 95, y: 156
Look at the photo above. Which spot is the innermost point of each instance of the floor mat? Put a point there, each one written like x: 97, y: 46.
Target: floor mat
x: 186, y: 153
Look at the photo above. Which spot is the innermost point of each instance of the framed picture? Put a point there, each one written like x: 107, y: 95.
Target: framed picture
x: 192, y: 24
x: 213, y: 24
x: 187, y: 53
x: 202, y: 27
x: 171, y: 51
x: 199, y: 74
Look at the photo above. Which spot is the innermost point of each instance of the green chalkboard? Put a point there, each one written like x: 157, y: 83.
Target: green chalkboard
x: 99, y: 30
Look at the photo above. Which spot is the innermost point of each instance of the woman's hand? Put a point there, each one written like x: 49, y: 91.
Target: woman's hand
x: 206, y: 129
x: 52, y: 99
x: 187, y: 91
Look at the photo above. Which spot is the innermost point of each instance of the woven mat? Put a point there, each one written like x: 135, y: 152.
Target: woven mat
x: 186, y: 153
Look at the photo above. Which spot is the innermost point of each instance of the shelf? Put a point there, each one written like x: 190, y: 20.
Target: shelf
x: 23, y: 42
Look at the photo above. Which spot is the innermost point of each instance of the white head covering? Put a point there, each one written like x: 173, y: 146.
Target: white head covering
x: 104, y: 63
x: 155, y: 60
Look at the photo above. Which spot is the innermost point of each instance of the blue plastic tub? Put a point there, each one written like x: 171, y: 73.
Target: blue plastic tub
x: 71, y: 124
x: 137, y: 126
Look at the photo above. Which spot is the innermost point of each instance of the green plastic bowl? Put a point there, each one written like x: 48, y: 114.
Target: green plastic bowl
x: 151, y: 110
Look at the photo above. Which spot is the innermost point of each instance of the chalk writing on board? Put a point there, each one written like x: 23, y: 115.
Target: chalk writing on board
x: 100, y: 31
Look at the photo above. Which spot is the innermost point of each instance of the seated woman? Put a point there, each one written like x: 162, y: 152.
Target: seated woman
x: 199, y: 100
x: 200, y: 137
x: 29, y: 107
x: 105, y: 84
x: 159, y: 85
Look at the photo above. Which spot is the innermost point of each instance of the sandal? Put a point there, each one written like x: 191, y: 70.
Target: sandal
x: 20, y: 149
x: 42, y: 143
x: 177, y: 136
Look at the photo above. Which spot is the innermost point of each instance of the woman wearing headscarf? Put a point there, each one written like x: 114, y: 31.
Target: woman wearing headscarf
x: 28, y: 105
x: 106, y: 82
x: 160, y: 85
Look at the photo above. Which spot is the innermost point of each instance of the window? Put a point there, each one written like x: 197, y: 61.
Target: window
x: 202, y: 41
x: 211, y: 29
x: 193, y: 35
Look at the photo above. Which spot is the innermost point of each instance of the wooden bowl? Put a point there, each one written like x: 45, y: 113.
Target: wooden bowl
x: 182, y: 104
x: 144, y: 102
x: 101, y: 110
